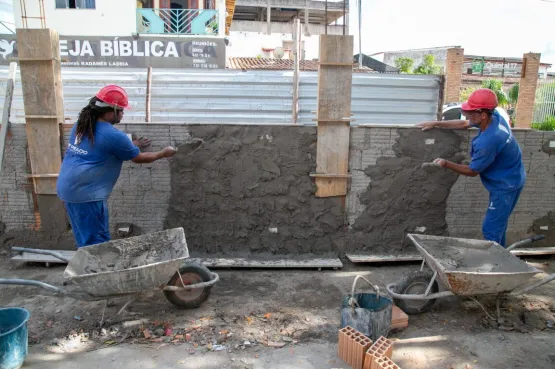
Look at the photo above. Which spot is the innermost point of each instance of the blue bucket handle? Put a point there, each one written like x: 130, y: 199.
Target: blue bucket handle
x: 352, y: 300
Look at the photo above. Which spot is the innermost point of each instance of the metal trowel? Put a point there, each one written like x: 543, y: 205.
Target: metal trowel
x: 191, y: 147
x: 430, y: 167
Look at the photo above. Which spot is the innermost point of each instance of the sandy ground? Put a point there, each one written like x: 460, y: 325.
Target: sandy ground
x: 298, y: 310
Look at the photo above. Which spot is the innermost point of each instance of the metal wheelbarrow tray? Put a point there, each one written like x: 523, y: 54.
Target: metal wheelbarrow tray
x: 466, y: 267
x: 473, y: 267
x: 130, y: 266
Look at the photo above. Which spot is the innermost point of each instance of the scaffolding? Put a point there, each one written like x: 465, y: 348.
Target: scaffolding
x: 25, y: 17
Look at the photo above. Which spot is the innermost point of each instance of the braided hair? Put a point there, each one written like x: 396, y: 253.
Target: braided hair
x: 86, y: 123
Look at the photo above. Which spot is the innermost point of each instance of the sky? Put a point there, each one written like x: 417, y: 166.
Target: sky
x: 505, y: 28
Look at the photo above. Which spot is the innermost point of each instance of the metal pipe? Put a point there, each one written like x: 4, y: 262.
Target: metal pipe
x: 431, y: 284
x: 343, y: 17
x: 433, y: 296
x: 524, y: 289
x: 526, y: 241
x: 359, y: 34
x: 57, y: 255
x: 27, y: 282
x: 326, y: 18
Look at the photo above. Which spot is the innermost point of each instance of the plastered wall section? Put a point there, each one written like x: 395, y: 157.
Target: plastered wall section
x: 468, y: 200
x: 142, y: 193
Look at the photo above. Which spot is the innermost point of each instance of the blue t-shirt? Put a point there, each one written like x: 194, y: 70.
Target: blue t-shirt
x: 498, y: 158
x: 90, y: 171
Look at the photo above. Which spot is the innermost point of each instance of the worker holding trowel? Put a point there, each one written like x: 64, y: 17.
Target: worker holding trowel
x: 495, y: 156
x: 93, y: 161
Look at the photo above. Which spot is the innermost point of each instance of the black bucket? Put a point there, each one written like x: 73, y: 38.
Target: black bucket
x: 368, y: 313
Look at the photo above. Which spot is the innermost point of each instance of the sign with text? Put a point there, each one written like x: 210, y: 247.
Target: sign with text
x: 130, y: 52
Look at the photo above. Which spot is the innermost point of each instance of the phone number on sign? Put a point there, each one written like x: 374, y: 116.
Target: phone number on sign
x: 205, y: 66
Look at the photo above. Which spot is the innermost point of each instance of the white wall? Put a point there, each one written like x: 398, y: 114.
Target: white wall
x: 250, y: 44
x: 110, y: 18
x: 6, y: 16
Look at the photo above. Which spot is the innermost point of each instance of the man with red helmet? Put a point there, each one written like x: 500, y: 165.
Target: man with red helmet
x: 92, y: 164
x: 495, y: 156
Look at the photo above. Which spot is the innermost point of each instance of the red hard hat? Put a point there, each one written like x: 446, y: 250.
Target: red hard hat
x: 482, y: 98
x: 114, y: 96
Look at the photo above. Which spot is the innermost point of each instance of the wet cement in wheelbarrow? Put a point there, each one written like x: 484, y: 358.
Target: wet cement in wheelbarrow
x: 457, y: 255
x: 131, y: 253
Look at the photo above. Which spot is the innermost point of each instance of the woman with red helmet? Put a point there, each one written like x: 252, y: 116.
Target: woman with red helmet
x: 495, y: 157
x: 92, y: 164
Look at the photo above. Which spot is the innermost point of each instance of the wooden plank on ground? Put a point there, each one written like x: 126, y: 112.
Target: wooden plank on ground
x: 333, y: 114
x: 383, y: 258
x: 310, y: 263
x: 301, y: 262
x: 412, y: 256
x: 38, y: 258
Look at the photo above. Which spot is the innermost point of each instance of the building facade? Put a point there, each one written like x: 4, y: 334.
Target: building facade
x: 123, y: 18
x: 261, y: 26
x: 128, y: 33
x: 479, y: 65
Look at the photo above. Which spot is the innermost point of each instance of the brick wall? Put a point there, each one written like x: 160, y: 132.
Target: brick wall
x: 527, y: 91
x: 16, y: 198
x: 453, y: 73
x: 142, y: 193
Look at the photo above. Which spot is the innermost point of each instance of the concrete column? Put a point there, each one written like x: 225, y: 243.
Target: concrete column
x: 221, y: 17
x: 268, y: 18
x: 306, y: 27
x: 527, y: 90
x: 453, y: 74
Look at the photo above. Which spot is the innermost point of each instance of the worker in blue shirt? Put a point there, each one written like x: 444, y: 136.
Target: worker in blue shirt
x: 495, y: 156
x: 93, y: 161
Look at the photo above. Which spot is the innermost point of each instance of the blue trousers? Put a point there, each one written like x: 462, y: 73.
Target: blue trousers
x: 501, y: 205
x: 89, y: 221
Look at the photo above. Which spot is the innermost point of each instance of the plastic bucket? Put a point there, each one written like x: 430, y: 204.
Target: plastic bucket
x: 368, y: 313
x: 13, y: 337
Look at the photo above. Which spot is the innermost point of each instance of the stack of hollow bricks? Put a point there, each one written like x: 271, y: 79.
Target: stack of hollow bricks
x: 358, y: 351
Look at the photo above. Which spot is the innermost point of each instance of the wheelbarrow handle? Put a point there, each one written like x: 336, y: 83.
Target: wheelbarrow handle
x: 376, y: 289
x: 537, y: 237
x: 27, y: 282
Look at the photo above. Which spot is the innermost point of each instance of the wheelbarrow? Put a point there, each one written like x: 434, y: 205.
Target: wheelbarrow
x: 467, y: 268
x: 130, y: 266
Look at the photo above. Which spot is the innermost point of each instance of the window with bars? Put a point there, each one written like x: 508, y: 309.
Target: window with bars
x: 75, y: 4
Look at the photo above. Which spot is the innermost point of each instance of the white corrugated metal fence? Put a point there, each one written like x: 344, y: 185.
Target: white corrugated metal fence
x: 233, y: 96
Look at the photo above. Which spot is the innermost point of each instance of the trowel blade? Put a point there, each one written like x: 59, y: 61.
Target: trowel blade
x: 191, y: 147
x: 430, y: 167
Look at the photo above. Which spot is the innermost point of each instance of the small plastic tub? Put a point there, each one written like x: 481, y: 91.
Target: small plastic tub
x: 13, y: 337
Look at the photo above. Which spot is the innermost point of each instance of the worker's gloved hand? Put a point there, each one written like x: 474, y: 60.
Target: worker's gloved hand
x: 141, y: 142
x: 441, y: 162
x: 169, y: 151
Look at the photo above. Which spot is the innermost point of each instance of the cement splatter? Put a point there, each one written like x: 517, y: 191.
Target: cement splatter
x: 402, y: 196
x: 544, y: 225
x: 247, y: 189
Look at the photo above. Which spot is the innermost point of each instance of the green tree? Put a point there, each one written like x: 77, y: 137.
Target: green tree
x: 513, y: 94
x: 465, y: 94
x: 404, y: 64
x: 428, y: 66
x: 496, y: 85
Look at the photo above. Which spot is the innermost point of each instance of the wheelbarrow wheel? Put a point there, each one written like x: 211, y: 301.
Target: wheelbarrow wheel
x: 415, y: 283
x: 191, y: 273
